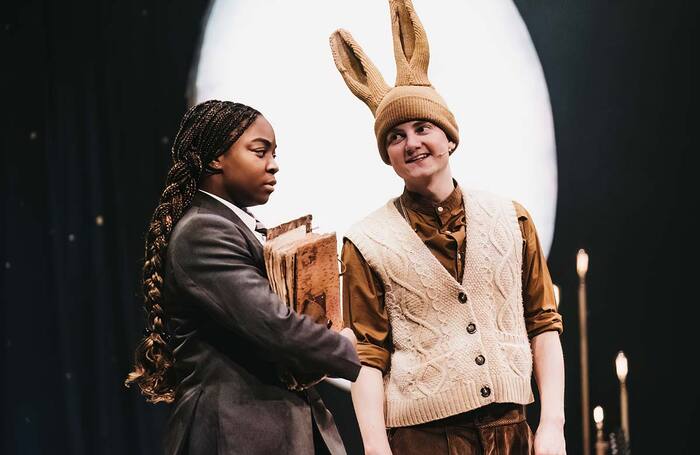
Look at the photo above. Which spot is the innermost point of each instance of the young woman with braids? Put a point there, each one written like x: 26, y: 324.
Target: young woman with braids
x: 216, y: 335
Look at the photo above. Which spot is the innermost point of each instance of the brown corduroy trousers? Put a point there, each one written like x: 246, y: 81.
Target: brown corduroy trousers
x: 495, y: 429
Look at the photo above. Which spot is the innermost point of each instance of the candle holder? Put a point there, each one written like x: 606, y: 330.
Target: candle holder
x: 582, y: 270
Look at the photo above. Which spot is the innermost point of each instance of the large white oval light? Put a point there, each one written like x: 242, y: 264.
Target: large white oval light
x: 274, y: 56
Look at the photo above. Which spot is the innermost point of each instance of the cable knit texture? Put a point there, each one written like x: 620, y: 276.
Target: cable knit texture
x: 435, y: 369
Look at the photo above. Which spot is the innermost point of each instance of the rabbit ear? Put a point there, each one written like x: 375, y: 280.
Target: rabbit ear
x: 411, y: 49
x: 361, y: 76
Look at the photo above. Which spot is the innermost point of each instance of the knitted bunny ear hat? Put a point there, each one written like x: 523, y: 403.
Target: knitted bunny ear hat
x: 412, y: 97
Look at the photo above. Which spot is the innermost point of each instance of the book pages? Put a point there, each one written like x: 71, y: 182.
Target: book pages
x: 302, y: 268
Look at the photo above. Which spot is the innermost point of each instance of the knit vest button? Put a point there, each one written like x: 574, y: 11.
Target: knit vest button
x: 480, y: 359
x: 485, y: 391
x: 462, y: 297
x: 471, y: 328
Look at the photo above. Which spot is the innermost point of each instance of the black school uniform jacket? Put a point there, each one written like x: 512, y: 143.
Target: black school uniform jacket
x: 230, y: 334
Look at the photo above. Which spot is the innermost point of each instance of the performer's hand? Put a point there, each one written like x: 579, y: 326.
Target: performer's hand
x: 549, y: 439
x: 350, y: 335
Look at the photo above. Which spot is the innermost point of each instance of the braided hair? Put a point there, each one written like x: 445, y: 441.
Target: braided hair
x: 207, y: 130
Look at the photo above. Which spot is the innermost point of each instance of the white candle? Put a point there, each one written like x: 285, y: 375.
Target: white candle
x: 621, y: 369
x: 582, y: 269
x: 601, y: 446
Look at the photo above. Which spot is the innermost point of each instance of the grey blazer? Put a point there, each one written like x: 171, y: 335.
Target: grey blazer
x: 230, y: 333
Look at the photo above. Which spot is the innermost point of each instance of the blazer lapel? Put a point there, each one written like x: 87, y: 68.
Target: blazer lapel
x: 207, y: 202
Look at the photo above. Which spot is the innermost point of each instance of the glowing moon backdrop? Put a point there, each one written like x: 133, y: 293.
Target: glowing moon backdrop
x: 274, y: 55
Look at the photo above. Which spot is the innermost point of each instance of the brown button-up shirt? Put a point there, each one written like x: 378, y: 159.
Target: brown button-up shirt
x: 442, y: 229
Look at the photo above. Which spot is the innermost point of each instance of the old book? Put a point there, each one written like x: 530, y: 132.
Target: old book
x: 302, y: 267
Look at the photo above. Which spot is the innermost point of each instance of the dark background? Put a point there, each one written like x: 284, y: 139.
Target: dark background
x: 92, y: 95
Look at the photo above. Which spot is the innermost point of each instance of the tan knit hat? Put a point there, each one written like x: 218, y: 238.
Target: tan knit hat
x: 412, y: 97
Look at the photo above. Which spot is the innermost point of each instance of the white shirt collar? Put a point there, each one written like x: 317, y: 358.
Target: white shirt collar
x: 246, y: 217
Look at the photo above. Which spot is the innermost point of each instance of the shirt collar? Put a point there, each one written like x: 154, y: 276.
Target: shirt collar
x: 245, y: 216
x: 420, y: 203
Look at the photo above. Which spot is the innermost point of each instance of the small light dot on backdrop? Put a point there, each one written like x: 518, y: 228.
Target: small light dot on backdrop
x: 33, y: 135
x: 27, y: 420
x: 99, y: 220
x: 69, y: 376
x: 8, y: 265
x: 144, y: 12
x: 164, y: 139
x: 71, y: 237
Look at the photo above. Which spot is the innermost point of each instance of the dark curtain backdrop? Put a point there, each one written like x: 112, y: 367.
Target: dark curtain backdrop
x: 93, y: 92
x: 623, y: 78
x: 96, y: 90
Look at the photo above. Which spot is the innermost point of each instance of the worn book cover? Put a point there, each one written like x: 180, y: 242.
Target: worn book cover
x: 302, y: 267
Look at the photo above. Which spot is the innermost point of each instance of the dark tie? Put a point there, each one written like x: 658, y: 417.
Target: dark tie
x: 259, y: 227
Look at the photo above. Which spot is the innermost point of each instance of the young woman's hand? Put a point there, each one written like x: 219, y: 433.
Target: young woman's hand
x: 350, y: 335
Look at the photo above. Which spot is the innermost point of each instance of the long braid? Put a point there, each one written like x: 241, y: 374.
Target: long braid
x: 206, y: 131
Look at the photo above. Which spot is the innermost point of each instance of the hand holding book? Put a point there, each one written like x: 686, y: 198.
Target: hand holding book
x: 302, y: 267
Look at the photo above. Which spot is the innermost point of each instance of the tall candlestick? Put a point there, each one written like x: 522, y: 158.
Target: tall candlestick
x: 621, y: 369
x: 582, y: 269
x: 601, y: 447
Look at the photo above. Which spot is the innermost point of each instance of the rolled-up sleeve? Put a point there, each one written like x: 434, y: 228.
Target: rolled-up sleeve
x: 364, y: 310
x: 541, y: 314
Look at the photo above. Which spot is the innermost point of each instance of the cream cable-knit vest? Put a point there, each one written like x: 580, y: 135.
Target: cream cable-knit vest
x: 439, y: 335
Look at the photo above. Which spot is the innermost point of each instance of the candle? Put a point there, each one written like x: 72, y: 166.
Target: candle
x: 582, y: 269
x: 621, y: 369
x: 601, y: 446
x: 582, y: 263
